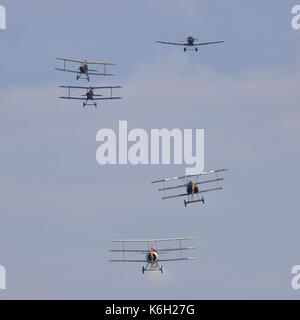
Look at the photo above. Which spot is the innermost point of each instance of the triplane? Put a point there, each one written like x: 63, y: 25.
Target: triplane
x: 152, y: 249
x: 191, y: 184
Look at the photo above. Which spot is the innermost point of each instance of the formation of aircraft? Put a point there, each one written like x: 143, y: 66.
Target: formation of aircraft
x: 152, y: 250
x: 191, y: 184
x: 83, y: 71
x: 155, y: 248
x: 190, y: 43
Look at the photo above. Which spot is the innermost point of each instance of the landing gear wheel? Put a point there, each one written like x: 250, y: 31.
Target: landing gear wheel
x: 184, y: 49
x: 143, y: 270
x: 161, y: 270
x: 196, y: 49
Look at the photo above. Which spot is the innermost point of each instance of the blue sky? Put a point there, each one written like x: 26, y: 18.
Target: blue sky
x: 59, y: 207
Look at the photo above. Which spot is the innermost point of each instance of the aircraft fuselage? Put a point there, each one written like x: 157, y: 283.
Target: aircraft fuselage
x: 190, y: 41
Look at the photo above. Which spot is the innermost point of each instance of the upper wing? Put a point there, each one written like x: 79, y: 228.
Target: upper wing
x: 84, y: 61
x: 106, y: 87
x: 190, y: 176
x: 69, y: 60
x: 173, y: 43
x: 103, y: 63
x: 207, y: 43
x: 90, y: 87
x: 152, y: 240
x: 178, y: 259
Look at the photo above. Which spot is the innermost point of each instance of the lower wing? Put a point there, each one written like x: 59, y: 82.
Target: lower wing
x: 95, y: 99
x: 94, y: 73
x: 89, y: 72
x: 68, y: 70
x: 125, y: 260
x: 187, y: 194
x: 178, y: 259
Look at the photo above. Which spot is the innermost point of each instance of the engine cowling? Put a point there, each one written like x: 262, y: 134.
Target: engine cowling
x: 152, y: 258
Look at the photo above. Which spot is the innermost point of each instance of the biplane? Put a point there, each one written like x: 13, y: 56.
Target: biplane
x: 84, y: 71
x: 190, y: 43
x: 90, y: 98
x: 191, y: 184
x: 152, y: 249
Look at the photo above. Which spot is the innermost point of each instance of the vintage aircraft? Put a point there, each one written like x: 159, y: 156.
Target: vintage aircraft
x: 90, y: 98
x: 190, y: 43
x: 191, y: 184
x: 152, y: 251
x: 84, y: 71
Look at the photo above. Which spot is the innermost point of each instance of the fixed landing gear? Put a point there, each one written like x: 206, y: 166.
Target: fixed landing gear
x: 155, y: 269
x: 80, y: 77
x: 89, y: 104
x: 190, y: 49
x: 194, y: 201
